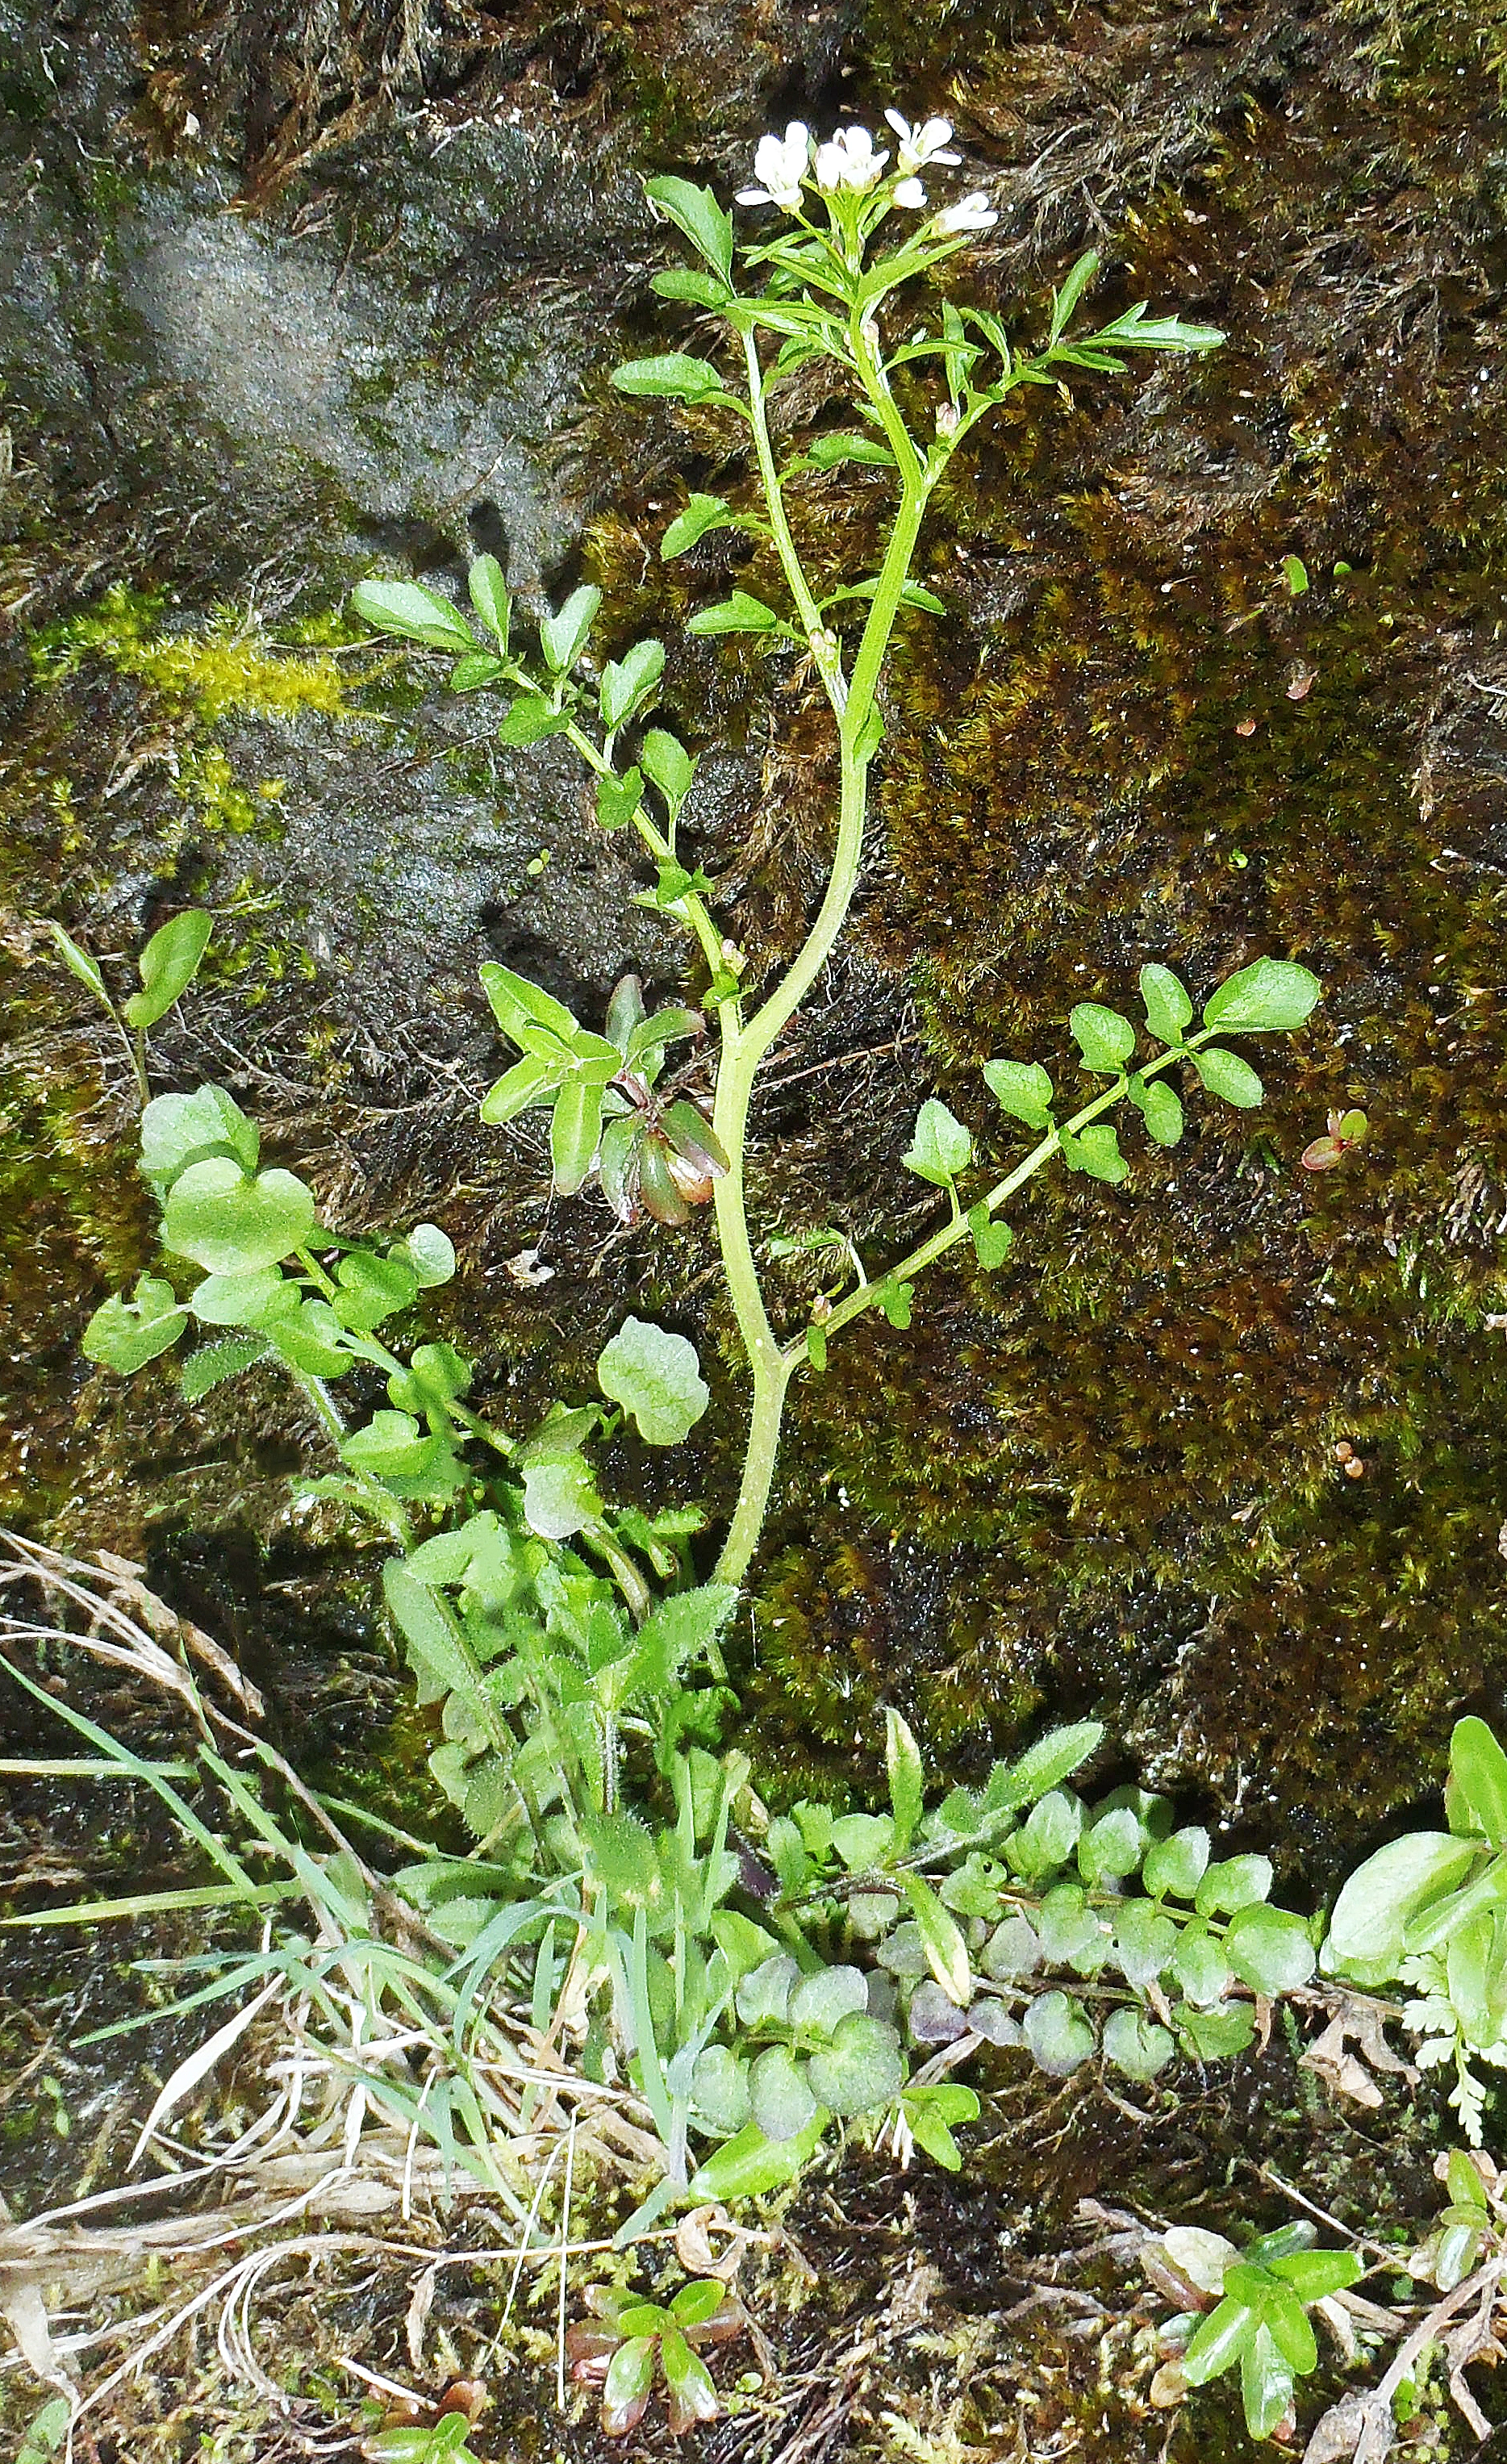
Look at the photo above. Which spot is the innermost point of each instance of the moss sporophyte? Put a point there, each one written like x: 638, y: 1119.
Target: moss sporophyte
x: 748, y: 1979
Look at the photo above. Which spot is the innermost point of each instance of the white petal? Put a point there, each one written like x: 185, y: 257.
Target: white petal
x: 934, y: 133
x: 910, y: 192
x: 901, y: 126
x: 754, y: 197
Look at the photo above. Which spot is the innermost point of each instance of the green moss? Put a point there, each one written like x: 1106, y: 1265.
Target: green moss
x: 230, y: 667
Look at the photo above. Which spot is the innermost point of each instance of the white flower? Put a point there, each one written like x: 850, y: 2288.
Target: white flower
x: 779, y: 165
x: 909, y: 193
x: 973, y: 214
x: 921, y: 145
x: 848, y: 161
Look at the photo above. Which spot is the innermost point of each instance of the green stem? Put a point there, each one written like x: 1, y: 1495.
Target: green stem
x: 701, y: 922
x: 938, y: 1244
x: 746, y: 1046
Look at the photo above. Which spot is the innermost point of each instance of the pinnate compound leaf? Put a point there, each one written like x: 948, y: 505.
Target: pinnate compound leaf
x: 478, y: 667
x: 1200, y: 1967
x: 669, y: 376
x: 558, y: 1496
x: 933, y: 2112
x: 371, y: 1288
x: 1479, y: 1770
x: 1226, y: 1075
x: 697, y: 213
x: 780, y: 2093
x: 417, y: 614
x: 1214, y: 2035
x: 1109, y: 1848
x: 628, y: 682
x: 168, y: 965
x: 230, y: 1221
x: 1167, y: 1003
x: 242, y: 1300
x: 751, y: 2163
x: 688, y: 282
x: 819, y: 2002
x: 1065, y: 299
x: 719, y: 2092
x: 1145, y: 1942
x: 562, y: 638
x: 906, y: 1775
x: 656, y: 1376
x: 125, y: 1335
x: 940, y: 1147
x: 310, y: 1337
x: 1270, y: 998
x: 764, y: 1994
x: 702, y: 513
x: 1234, y: 1883
x: 1105, y: 1038
x: 1380, y: 1900
x: 1021, y: 1088
x: 826, y: 452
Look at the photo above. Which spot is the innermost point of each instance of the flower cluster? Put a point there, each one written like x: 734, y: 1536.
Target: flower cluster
x: 850, y: 163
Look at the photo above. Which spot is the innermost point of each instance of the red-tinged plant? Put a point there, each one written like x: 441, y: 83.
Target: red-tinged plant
x: 637, y: 2339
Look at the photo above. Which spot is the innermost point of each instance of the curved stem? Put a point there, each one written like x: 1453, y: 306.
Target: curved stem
x: 745, y: 1047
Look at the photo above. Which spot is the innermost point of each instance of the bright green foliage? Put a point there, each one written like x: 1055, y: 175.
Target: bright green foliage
x: 572, y: 1660
x: 427, y: 2443
x: 657, y: 1379
x: 941, y: 1147
x: 1430, y: 1909
x: 168, y: 965
x: 1259, y: 2323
